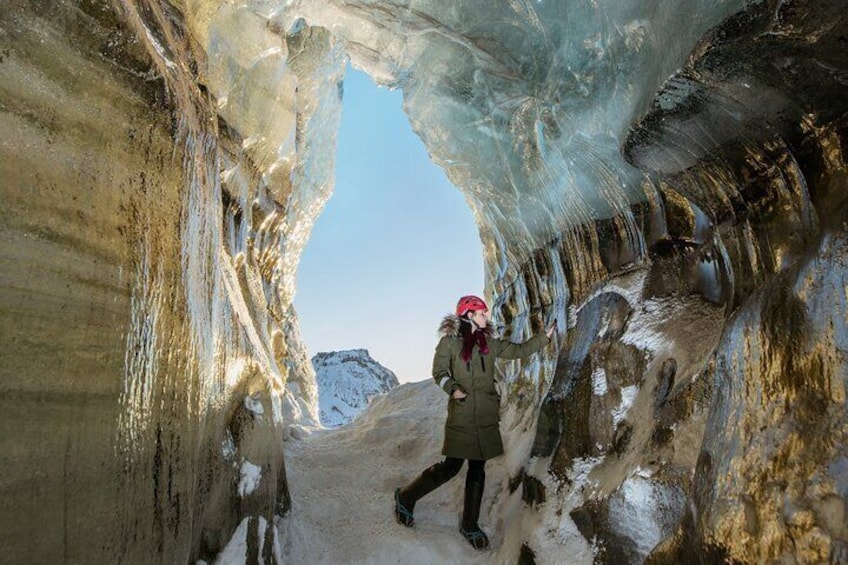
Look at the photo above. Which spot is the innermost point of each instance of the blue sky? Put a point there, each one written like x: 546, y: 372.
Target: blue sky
x: 395, y: 247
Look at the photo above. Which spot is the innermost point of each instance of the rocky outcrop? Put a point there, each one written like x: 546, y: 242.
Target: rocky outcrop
x: 769, y: 484
x: 347, y: 380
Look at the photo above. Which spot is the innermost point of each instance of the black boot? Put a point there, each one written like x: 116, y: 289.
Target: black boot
x: 470, y: 513
x: 403, y: 512
x: 432, y: 478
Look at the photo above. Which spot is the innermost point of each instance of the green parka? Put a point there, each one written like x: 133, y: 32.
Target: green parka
x: 471, y: 429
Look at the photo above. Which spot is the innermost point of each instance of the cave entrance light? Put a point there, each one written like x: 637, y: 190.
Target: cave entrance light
x: 394, y: 247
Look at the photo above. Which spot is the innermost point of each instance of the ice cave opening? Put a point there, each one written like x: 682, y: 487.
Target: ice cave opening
x: 668, y: 180
x: 393, y: 248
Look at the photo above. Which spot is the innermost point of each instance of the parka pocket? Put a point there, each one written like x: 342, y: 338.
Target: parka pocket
x: 456, y: 405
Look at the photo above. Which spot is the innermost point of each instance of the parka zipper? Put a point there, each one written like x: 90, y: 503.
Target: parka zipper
x: 477, y: 428
x: 476, y: 422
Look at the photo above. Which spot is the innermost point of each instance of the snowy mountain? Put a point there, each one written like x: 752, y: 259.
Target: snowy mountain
x: 346, y: 381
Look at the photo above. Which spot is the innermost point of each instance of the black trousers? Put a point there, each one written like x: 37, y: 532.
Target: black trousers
x: 448, y: 469
x: 436, y: 475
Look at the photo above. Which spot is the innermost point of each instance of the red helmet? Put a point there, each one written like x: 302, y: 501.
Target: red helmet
x: 469, y: 303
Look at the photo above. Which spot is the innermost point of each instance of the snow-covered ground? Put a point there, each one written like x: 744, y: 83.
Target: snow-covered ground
x: 342, y: 483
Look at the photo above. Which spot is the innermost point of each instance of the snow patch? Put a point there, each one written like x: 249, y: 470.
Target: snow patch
x: 642, y: 511
x: 235, y: 552
x: 643, y: 473
x: 641, y: 332
x: 628, y: 394
x: 580, y: 469
x: 228, y: 446
x: 236, y: 549
x: 599, y: 382
x: 254, y: 405
x: 648, y: 315
x: 249, y: 477
x: 555, y: 534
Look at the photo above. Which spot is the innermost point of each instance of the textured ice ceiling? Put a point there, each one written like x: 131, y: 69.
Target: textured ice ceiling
x: 525, y: 104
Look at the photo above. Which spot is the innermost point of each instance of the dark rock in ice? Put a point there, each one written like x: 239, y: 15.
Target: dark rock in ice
x: 532, y: 491
x: 526, y: 556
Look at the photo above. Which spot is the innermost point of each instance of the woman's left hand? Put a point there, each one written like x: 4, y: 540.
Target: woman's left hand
x: 551, y: 330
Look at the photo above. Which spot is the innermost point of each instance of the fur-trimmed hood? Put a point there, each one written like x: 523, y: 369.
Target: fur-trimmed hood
x: 450, y: 327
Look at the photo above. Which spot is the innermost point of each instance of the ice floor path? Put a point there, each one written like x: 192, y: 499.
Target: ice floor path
x: 342, y: 483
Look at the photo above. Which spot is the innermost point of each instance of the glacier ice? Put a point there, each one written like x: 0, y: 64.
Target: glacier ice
x: 163, y: 164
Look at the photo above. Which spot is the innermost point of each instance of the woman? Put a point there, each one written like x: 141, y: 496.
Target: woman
x: 464, y: 367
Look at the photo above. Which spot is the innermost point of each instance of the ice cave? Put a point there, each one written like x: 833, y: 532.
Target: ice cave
x: 666, y: 179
